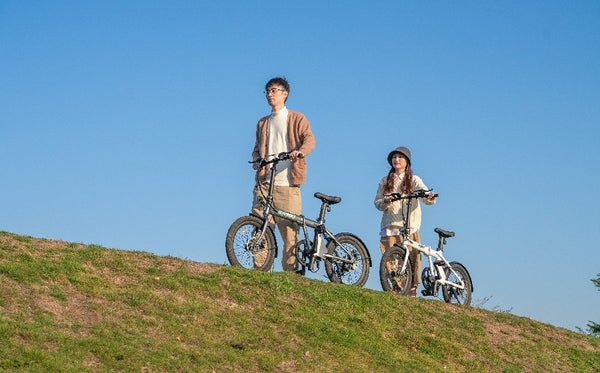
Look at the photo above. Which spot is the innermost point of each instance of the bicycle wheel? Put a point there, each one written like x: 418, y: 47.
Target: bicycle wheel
x: 391, y: 276
x: 244, y: 249
x: 354, y: 273
x: 453, y: 294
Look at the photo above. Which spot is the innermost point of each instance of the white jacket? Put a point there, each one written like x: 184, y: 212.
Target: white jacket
x: 394, y: 213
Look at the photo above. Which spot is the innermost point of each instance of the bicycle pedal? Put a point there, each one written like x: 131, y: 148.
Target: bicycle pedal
x: 426, y: 292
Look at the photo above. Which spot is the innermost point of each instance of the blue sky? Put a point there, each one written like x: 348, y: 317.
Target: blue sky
x: 129, y: 124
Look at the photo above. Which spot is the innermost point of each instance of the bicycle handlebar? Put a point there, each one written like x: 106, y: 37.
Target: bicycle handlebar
x: 279, y: 157
x: 423, y: 193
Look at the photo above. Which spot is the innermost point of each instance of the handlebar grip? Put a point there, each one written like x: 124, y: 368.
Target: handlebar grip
x: 286, y: 155
x: 280, y: 157
x: 418, y: 194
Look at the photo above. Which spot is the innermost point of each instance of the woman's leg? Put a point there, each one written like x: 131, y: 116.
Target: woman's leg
x: 386, y: 243
x: 415, y: 258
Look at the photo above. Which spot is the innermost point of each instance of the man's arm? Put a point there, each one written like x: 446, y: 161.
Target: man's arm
x: 306, y: 139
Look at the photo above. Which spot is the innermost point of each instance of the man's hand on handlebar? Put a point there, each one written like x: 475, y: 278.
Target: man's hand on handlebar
x: 257, y: 163
x: 295, y: 154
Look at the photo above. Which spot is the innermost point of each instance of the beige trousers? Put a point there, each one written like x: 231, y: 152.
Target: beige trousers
x: 286, y: 198
x: 414, y: 255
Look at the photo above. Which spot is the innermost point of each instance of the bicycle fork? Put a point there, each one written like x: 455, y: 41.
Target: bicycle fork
x: 265, y: 220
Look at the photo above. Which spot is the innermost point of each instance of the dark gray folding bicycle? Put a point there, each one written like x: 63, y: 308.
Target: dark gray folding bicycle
x: 251, y: 243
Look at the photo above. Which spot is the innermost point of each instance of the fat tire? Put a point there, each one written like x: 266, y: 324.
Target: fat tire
x: 339, y: 272
x: 389, y: 271
x: 240, y: 233
x: 454, y: 295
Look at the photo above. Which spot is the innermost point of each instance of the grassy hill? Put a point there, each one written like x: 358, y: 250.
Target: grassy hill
x: 76, y: 308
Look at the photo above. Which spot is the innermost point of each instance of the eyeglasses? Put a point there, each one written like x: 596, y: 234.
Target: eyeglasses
x: 273, y: 90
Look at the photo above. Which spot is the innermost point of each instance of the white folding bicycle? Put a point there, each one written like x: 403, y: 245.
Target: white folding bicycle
x: 396, y: 270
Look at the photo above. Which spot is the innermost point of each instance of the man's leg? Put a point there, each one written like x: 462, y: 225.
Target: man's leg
x: 290, y: 200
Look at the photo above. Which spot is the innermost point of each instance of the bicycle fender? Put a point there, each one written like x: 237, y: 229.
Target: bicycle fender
x: 363, y: 243
x: 470, y: 280
x: 277, y: 248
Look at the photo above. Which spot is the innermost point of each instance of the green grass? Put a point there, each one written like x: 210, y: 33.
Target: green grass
x: 82, y: 308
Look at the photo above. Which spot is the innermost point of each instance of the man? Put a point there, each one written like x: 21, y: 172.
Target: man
x: 283, y: 130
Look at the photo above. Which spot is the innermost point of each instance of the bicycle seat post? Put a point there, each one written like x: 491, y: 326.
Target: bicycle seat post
x: 324, y: 208
x: 441, y: 242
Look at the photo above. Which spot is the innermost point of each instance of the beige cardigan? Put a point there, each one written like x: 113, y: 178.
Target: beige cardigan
x: 300, y: 137
x: 393, y: 213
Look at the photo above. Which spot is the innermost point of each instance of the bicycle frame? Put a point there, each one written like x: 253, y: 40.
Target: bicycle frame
x: 317, y: 225
x: 437, y: 268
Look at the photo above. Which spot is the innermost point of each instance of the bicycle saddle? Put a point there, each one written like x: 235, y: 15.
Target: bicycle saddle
x: 328, y: 199
x: 444, y: 233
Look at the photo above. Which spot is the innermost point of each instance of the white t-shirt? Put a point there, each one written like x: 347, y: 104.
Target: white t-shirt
x: 278, y: 142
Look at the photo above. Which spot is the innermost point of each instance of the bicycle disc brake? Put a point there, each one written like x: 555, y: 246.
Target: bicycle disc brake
x: 254, y: 245
x: 343, y: 267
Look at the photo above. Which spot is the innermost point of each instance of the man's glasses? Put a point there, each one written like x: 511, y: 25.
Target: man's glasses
x: 273, y: 90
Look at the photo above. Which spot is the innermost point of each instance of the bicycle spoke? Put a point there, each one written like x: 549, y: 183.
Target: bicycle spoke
x: 245, y: 246
x: 348, y: 263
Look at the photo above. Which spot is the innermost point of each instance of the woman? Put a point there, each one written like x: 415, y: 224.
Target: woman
x: 401, y: 180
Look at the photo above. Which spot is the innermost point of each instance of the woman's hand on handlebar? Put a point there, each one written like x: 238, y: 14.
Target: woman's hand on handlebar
x: 392, y: 197
x: 427, y: 194
x: 431, y: 197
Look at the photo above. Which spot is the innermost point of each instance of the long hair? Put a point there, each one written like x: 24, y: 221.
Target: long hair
x: 406, y: 187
